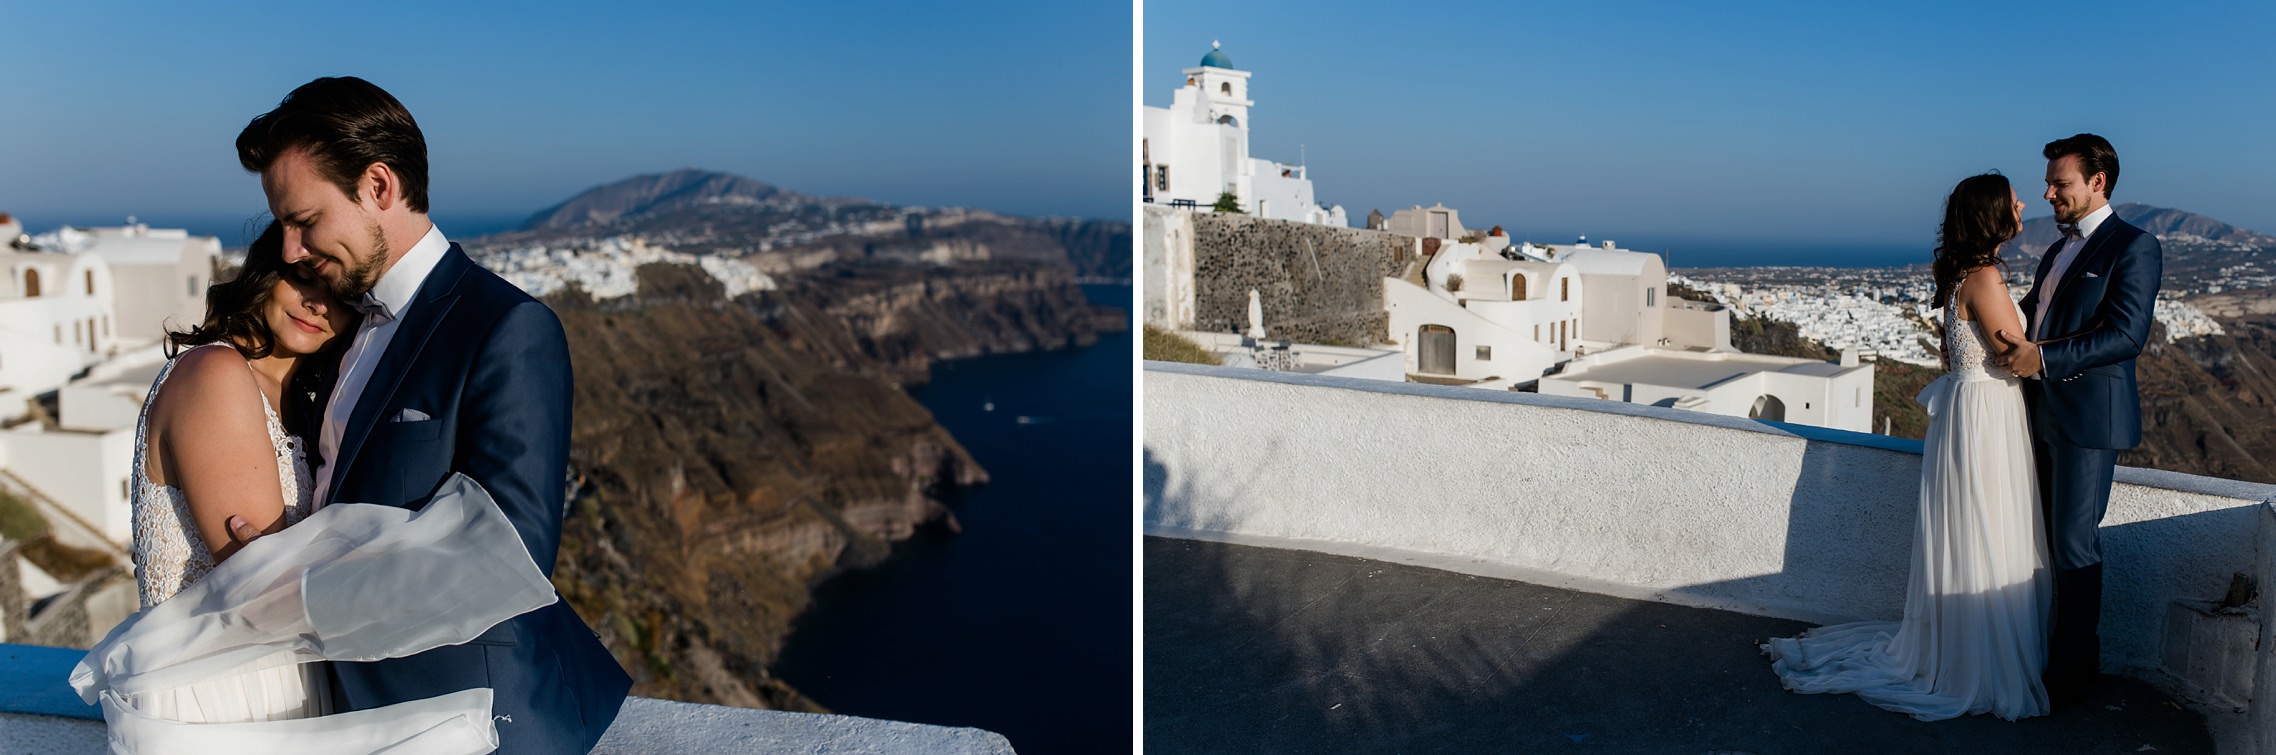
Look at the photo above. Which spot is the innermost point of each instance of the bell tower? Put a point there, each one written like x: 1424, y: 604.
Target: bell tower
x: 1224, y: 89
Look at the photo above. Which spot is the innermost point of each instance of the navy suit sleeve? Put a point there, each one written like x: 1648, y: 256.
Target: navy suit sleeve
x: 514, y: 424
x: 2122, y: 321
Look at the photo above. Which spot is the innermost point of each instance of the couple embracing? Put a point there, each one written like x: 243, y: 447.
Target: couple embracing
x: 388, y: 588
x: 2024, y: 432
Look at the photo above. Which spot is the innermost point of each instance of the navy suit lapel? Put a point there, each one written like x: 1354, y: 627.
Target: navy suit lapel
x: 428, y: 308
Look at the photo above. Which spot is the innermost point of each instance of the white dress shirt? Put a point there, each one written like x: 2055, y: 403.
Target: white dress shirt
x: 2066, y: 251
x: 392, y: 296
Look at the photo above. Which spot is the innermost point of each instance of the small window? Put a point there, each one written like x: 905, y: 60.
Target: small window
x: 193, y: 285
x: 1161, y: 178
x: 1226, y: 87
x: 1485, y: 353
x: 1564, y: 289
x: 1651, y: 297
x: 32, y: 284
x: 1537, y: 332
x: 90, y: 283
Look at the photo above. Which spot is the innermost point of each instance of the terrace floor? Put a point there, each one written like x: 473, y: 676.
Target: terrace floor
x: 1254, y: 650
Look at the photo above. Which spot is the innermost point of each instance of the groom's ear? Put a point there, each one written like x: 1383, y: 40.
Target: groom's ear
x: 385, y: 188
x: 2099, y: 183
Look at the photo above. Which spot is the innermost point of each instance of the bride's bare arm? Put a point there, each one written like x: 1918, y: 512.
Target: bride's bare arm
x: 213, y: 442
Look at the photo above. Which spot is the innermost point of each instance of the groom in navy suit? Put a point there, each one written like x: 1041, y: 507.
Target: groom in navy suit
x: 2088, y: 316
x: 452, y: 369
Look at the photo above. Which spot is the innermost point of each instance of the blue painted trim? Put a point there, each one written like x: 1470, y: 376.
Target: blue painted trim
x: 36, y: 679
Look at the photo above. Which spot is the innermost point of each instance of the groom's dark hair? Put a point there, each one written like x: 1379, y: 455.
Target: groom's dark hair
x: 346, y: 124
x: 2095, y: 155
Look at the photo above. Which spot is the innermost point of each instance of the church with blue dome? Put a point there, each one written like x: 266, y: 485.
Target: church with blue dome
x: 1197, y: 150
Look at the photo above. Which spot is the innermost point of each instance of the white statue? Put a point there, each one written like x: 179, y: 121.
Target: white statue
x: 1256, y: 316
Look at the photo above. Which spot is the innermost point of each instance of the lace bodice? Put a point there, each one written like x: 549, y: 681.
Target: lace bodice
x: 168, y: 554
x: 1966, y: 346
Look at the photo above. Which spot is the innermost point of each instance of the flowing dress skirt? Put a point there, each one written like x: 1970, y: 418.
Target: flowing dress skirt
x: 1973, y: 638
x: 352, y: 582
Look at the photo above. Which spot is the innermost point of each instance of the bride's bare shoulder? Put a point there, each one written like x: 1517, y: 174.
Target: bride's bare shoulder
x: 206, y: 387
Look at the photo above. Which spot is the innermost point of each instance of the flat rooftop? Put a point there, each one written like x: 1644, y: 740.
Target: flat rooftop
x: 1697, y: 371
x: 1251, y: 649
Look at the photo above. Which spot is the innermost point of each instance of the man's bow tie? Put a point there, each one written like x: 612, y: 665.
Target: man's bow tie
x: 2070, y: 230
x: 371, y: 306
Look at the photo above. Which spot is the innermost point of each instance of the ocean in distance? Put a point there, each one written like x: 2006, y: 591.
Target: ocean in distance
x: 1021, y: 624
x: 1685, y: 252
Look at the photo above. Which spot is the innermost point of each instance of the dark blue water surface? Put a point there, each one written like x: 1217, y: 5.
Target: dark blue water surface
x: 1020, y: 625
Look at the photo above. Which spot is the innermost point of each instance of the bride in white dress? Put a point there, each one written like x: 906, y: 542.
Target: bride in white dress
x: 1973, y: 637
x: 212, y: 444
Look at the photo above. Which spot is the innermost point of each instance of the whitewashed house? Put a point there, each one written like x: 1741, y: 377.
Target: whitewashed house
x: 1756, y: 386
x: 1198, y: 148
x: 161, y: 273
x: 57, y: 317
x: 1486, y: 313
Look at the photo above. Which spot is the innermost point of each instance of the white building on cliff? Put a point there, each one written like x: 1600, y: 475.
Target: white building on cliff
x: 1198, y: 148
x: 1594, y: 321
x: 83, y: 312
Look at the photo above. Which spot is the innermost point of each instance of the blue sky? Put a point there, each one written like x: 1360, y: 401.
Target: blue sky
x: 116, y: 109
x: 1720, y: 125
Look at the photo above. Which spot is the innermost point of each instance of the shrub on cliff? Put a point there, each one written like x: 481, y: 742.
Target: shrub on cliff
x: 1165, y: 346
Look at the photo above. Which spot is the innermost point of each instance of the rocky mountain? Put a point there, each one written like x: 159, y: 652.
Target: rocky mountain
x: 2039, y: 233
x: 781, y: 231
x: 650, y: 194
x: 734, y: 452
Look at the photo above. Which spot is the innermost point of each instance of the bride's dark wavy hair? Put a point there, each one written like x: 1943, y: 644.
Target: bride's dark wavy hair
x: 1979, y: 217
x: 233, y: 307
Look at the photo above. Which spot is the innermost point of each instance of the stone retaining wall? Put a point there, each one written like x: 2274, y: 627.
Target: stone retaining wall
x: 1317, y: 284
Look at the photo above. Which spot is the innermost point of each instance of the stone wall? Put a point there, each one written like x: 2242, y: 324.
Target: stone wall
x: 1317, y: 284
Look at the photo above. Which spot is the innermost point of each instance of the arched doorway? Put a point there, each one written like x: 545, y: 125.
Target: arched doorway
x: 1437, y: 355
x: 31, y: 283
x: 1769, y: 408
x: 1517, y: 287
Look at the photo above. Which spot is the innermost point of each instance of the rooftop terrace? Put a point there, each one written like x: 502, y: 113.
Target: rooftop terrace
x: 1626, y: 516
x: 1253, y: 649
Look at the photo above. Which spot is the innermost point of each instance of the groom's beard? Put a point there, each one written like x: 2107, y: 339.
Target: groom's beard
x: 359, y: 279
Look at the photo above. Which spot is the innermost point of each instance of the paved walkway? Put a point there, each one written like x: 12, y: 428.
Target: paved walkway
x: 1255, y: 650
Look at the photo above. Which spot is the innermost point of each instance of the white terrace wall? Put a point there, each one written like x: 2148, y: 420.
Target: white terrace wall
x: 1772, y: 519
